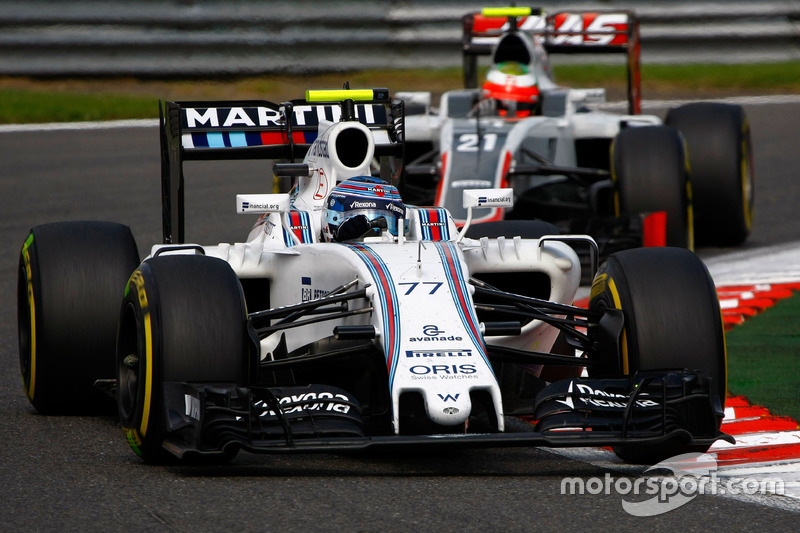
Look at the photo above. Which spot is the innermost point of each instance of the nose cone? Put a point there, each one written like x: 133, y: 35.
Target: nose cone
x: 448, y: 409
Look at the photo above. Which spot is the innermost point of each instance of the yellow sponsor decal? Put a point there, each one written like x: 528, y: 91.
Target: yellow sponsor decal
x: 506, y: 11
x: 338, y: 95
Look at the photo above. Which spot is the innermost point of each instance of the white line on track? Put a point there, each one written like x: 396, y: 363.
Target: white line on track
x: 771, y: 264
x: 741, y: 100
x: 61, y: 126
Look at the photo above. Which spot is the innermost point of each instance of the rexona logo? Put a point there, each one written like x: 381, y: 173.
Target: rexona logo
x: 363, y: 205
x: 432, y: 333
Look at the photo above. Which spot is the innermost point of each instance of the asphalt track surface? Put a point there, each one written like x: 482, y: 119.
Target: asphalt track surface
x: 78, y: 473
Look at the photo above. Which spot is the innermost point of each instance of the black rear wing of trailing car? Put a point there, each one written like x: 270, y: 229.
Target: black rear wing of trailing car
x: 258, y: 129
x: 591, y: 32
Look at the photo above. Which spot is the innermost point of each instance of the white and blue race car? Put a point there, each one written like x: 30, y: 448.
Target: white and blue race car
x: 349, y: 320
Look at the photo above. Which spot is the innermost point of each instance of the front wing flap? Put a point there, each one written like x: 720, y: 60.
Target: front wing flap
x: 647, y: 409
x: 644, y: 404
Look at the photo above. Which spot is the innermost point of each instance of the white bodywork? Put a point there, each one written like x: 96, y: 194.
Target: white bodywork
x: 418, y: 289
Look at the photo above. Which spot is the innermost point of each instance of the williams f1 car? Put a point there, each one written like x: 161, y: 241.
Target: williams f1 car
x: 349, y: 320
x: 626, y: 179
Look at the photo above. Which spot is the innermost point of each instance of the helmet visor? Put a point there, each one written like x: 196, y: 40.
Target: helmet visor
x: 374, y: 216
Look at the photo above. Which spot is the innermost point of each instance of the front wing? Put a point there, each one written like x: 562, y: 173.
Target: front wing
x: 648, y: 409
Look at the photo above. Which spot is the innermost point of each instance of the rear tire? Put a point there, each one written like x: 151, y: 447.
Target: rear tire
x: 721, y: 168
x: 183, y: 319
x: 649, y: 168
x: 672, y: 321
x: 71, y: 280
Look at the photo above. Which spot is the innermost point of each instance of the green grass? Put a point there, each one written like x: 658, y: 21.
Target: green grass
x: 28, y: 106
x: 765, y: 77
x: 764, y: 358
x: 24, y: 101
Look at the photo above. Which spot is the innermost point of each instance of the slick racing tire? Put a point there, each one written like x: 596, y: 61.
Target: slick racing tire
x: 672, y: 320
x: 649, y: 170
x: 183, y: 319
x: 71, y: 280
x: 721, y: 169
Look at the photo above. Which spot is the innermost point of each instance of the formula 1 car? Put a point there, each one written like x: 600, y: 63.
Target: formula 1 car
x: 348, y: 320
x: 628, y: 180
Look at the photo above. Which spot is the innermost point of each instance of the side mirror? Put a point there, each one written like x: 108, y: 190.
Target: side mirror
x: 267, y: 203
x: 262, y: 203
x: 484, y: 198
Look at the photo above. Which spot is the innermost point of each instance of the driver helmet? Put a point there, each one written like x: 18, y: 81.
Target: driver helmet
x: 363, y: 206
x: 513, y: 87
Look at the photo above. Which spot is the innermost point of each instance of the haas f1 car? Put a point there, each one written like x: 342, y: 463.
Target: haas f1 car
x: 626, y: 179
x: 349, y: 320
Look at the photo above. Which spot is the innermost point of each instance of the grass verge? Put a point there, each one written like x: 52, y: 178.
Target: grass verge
x: 24, y: 100
x: 764, y: 358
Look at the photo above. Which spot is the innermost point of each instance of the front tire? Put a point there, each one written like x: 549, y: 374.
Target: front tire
x: 649, y: 169
x: 183, y: 319
x: 71, y: 280
x: 672, y: 321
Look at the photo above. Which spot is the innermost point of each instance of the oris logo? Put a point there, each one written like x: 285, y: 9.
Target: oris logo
x: 443, y: 370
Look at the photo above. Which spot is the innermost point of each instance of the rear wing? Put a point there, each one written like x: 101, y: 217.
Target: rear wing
x: 258, y: 129
x: 595, y: 32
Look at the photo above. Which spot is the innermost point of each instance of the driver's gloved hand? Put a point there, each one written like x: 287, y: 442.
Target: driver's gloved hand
x: 484, y: 108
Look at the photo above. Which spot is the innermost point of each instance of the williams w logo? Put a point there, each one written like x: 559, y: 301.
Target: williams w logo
x: 448, y: 397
